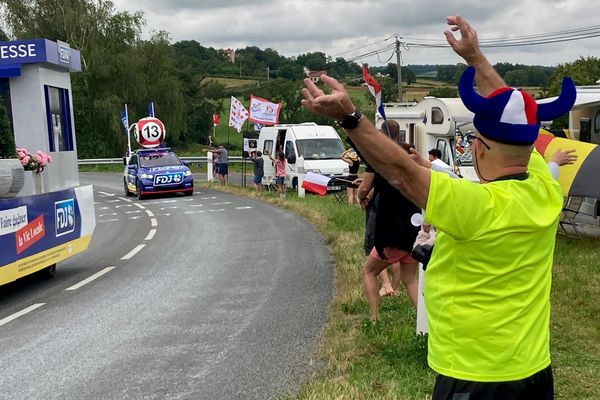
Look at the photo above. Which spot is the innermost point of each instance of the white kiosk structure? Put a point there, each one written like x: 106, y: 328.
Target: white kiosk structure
x: 51, y: 217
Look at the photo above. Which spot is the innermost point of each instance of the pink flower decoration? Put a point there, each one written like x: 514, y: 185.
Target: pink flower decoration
x: 25, y: 160
x: 49, y: 159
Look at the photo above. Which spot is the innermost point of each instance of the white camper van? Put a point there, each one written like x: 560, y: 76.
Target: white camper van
x: 441, y: 123
x: 308, y: 147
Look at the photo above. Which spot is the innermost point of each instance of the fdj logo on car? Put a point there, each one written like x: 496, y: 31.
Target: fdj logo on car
x: 168, y: 179
x: 64, y: 212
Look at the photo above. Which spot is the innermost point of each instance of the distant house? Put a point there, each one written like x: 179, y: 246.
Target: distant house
x: 230, y: 54
x: 315, y: 76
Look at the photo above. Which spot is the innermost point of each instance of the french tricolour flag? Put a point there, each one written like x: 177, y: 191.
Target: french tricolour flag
x: 316, y: 183
x: 374, y: 88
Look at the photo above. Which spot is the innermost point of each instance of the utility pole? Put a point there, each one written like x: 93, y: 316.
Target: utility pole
x: 267, y: 72
x: 399, y: 67
x: 240, y: 69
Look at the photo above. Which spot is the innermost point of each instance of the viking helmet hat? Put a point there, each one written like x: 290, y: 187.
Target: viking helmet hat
x: 510, y: 115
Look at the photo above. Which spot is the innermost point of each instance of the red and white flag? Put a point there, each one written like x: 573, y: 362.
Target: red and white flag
x: 215, y: 119
x: 263, y: 111
x: 316, y: 183
x: 374, y: 88
x: 237, y: 114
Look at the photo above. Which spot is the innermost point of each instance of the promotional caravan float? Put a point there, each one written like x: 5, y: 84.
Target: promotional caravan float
x: 307, y: 147
x: 45, y: 215
x: 441, y: 123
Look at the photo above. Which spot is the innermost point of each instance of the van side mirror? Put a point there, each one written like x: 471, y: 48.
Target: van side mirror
x: 291, y: 159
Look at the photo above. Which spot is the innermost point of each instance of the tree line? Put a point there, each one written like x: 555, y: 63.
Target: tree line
x: 120, y: 67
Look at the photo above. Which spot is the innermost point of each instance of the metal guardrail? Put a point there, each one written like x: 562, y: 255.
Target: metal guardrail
x: 191, y: 159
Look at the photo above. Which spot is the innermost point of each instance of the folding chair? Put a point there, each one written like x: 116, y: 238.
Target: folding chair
x: 568, y: 214
x: 340, y: 195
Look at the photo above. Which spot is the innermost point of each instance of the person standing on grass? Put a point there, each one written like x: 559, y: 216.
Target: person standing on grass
x: 352, y: 159
x: 280, y: 164
x: 221, y: 161
x: 259, y: 172
x: 487, y: 291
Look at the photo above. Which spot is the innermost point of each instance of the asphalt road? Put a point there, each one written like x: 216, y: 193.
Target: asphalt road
x: 203, y: 297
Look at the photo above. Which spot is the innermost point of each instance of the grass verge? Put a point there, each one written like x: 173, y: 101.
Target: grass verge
x: 387, y: 361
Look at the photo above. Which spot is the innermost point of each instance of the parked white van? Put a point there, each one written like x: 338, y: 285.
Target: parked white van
x: 308, y: 147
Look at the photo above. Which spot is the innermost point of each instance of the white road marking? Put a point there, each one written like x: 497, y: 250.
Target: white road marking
x: 150, y: 213
x: 194, y: 212
x: 126, y: 199
x: 221, y: 203
x: 103, y: 208
x: 197, y: 205
x: 171, y: 207
x: 132, y: 212
x: 138, y: 205
x: 153, y: 222
x: 103, y: 215
x: 165, y: 215
x: 123, y: 205
x: 187, y: 199
x: 136, y: 217
x: 219, y: 210
x: 151, y: 234
x: 106, y: 220
x: 113, y: 201
x: 107, y: 194
x: 207, y: 198
x: 168, y: 201
x: 243, y: 208
x: 18, y: 314
x: 133, y: 252
x: 91, y: 278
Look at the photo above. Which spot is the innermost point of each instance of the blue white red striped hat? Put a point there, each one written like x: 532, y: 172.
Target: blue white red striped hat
x: 510, y: 115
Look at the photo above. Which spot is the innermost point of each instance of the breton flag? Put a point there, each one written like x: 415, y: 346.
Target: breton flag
x: 316, y: 183
x: 375, y: 89
x: 237, y: 114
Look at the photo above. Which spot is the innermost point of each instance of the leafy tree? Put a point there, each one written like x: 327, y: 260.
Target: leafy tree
x: 408, y: 75
x: 3, y: 36
x: 316, y: 61
x: 7, y: 139
x: 584, y: 71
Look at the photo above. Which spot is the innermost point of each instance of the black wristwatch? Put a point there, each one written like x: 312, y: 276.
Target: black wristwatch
x: 350, y: 121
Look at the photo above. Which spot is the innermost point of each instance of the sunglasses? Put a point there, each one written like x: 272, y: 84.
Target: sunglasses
x: 471, y: 139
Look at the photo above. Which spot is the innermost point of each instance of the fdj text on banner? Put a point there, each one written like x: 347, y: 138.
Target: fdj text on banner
x: 263, y: 111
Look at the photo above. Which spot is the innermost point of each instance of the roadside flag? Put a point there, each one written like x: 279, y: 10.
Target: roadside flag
x: 151, y: 109
x: 215, y: 119
x: 125, y: 119
x: 316, y: 183
x: 237, y: 114
x: 264, y: 111
x: 375, y: 89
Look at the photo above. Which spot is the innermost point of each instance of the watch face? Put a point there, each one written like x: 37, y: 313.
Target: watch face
x: 350, y: 121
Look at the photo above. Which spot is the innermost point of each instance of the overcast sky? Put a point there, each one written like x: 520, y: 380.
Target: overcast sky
x: 293, y: 27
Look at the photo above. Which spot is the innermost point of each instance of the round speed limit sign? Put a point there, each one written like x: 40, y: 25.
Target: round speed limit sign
x: 150, y: 132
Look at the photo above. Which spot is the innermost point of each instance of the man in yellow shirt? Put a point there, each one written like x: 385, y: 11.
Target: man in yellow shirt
x: 488, y: 282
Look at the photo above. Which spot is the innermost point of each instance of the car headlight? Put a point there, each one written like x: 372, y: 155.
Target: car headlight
x: 314, y: 171
x: 146, y: 176
x: 187, y: 173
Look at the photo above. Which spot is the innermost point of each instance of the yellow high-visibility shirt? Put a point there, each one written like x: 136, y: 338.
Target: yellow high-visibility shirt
x: 487, y: 286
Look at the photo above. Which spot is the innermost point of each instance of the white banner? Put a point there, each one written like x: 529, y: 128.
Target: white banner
x: 12, y: 220
x: 263, y: 111
x: 250, y: 145
x: 237, y: 114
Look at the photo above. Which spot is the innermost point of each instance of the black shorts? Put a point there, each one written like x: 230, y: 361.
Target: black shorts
x: 351, y: 185
x: 539, y: 386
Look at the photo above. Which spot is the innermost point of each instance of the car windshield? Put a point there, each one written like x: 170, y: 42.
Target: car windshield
x: 319, y: 149
x: 158, y: 160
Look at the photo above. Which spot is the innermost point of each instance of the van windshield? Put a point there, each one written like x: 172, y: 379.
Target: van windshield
x: 320, y: 149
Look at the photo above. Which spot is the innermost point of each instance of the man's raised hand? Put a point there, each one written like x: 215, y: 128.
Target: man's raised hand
x: 467, y: 46
x: 336, y: 104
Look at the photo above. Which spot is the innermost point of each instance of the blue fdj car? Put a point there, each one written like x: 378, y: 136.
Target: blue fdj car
x: 151, y: 171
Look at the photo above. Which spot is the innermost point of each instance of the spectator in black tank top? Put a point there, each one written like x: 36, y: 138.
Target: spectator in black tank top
x: 351, y: 158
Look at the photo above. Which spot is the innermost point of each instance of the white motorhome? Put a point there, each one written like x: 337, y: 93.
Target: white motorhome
x: 308, y: 147
x: 440, y: 123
